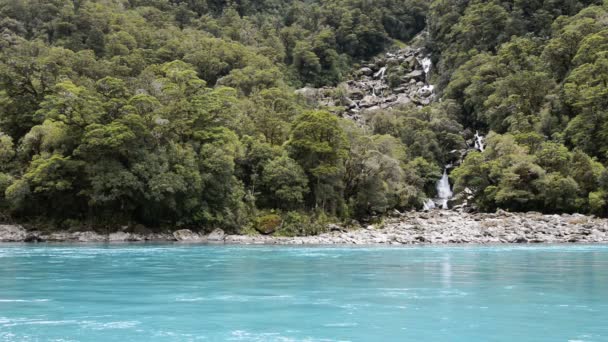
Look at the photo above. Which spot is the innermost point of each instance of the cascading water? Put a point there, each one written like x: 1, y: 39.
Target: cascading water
x: 427, y: 92
x: 479, y: 142
x: 444, y: 192
x: 426, y: 64
x: 380, y: 73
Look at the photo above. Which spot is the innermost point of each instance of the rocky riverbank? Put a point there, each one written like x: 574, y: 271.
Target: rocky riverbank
x: 412, y: 228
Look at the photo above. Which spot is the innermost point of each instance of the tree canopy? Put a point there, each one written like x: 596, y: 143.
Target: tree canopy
x: 183, y: 113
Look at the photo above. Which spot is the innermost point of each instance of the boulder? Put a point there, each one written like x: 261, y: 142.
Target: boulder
x: 369, y: 101
x: 59, y: 237
x: 356, y: 93
x: 425, y: 91
x: 417, y: 75
x: 217, y: 235
x: 12, y: 233
x: 402, y: 99
x: 410, y: 62
x: 120, y: 237
x: 350, y: 104
x: 186, y: 235
x: 365, y: 71
x: 268, y: 224
x: 392, y: 61
x: 310, y: 94
x: 332, y: 227
x: 33, y: 237
x: 88, y: 237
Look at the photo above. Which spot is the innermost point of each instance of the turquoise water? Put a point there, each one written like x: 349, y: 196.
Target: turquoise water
x: 231, y: 293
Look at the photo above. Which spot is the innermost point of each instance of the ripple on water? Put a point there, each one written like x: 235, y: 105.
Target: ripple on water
x: 430, y: 293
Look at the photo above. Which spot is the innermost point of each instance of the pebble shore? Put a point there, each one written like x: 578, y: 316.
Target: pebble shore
x: 437, y: 227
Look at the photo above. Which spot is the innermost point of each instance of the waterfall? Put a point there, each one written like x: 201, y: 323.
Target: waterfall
x: 444, y: 192
x: 479, y: 142
x: 426, y: 64
x: 380, y: 73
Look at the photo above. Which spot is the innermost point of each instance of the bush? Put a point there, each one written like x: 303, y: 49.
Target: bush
x: 298, y: 224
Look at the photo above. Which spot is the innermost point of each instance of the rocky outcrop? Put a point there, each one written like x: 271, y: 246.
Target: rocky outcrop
x: 394, y: 79
x: 12, y: 233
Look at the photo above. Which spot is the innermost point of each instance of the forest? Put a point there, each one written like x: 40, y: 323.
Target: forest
x: 184, y: 113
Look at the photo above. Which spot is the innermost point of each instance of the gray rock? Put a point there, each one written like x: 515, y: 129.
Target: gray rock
x: 417, y: 75
x: 356, y: 93
x: 332, y: 227
x: 365, y: 71
x: 120, y: 237
x: 216, y: 235
x: 310, y: 94
x: 33, y: 237
x: 402, y: 99
x: 369, y: 101
x: 88, y: 236
x: 186, y: 235
x: 350, y: 104
x: 58, y: 237
x: 410, y: 62
x: 12, y: 233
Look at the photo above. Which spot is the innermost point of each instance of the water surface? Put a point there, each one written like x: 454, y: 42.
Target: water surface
x: 232, y: 293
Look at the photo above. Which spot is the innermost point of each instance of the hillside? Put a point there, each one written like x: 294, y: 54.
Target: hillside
x: 285, y: 115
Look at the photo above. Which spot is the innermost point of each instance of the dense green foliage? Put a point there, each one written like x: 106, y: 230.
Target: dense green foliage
x: 183, y: 113
x: 535, y: 73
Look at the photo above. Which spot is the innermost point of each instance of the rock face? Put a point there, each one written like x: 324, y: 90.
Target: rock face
x: 397, y: 78
x: 12, y: 233
x: 186, y: 235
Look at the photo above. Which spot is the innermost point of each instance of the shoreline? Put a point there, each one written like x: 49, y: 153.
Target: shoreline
x: 437, y: 227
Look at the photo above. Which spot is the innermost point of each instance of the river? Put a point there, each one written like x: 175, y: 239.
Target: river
x: 173, y: 292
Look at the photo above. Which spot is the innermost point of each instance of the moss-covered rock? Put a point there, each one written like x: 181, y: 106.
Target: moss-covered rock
x: 268, y: 224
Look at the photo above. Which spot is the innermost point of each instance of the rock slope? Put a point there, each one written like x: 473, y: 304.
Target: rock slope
x: 396, y: 78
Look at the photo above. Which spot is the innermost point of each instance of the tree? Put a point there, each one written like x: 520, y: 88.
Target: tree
x: 286, y: 183
x: 318, y: 144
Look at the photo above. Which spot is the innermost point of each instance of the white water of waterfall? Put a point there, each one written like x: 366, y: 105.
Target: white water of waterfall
x: 380, y: 73
x: 444, y: 192
x: 479, y: 142
x: 426, y: 64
